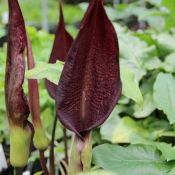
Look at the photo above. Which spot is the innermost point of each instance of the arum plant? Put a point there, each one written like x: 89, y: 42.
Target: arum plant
x: 16, y: 103
x: 90, y: 85
x: 61, y: 46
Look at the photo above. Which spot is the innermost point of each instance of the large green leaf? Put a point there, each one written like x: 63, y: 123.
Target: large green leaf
x: 124, y: 130
x: 172, y: 172
x: 155, y: 2
x: 170, y: 7
x: 109, y: 126
x: 158, y: 128
x: 147, y: 108
x: 164, y: 88
x: 169, y: 63
x: 148, y: 103
x: 168, y: 152
x: 166, y: 43
x: 130, y: 86
x: 97, y: 172
x: 44, y: 70
x: 153, y: 63
x: 134, y: 159
x: 135, y: 50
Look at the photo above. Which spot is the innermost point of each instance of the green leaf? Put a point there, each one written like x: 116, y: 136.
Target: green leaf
x: 109, y: 126
x: 153, y: 63
x: 166, y: 43
x: 130, y: 87
x: 124, y: 130
x: 167, y: 150
x: 163, y: 94
x: 172, y: 172
x: 170, y: 7
x: 158, y: 127
x: 148, y: 103
x: 128, y: 51
x: 155, y: 2
x: 169, y: 63
x: 97, y: 172
x: 147, y: 108
x: 45, y: 70
x: 134, y: 159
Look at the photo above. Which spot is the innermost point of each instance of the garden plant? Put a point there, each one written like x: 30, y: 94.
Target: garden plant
x: 95, y: 97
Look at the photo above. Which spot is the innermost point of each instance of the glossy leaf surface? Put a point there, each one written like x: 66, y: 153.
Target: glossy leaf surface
x: 61, y: 46
x: 89, y: 86
x: 16, y: 103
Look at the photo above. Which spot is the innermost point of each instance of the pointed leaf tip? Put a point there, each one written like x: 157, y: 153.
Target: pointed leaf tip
x: 90, y: 86
x: 61, y: 46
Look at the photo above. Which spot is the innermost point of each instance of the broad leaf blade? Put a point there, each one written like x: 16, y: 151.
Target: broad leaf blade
x: 130, y: 85
x: 135, y: 159
x: 164, y: 98
x: 46, y: 70
x: 124, y: 130
x: 167, y: 150
x: 90, y: 86
x: 97, y: 172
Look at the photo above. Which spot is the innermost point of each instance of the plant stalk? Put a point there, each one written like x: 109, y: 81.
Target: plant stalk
x: 65, y: 145
x: 43, y: 162
x: 52, y: 158
x: 81, y: 154
x: 40, y: 139
x: 18, y: 171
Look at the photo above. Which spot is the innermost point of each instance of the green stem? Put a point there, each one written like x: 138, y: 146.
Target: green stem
x: 52, y: 158
x: 18, y: 171
x: 81, y: 154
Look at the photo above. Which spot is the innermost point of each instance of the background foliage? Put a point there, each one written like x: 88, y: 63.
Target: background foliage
x: 139, y: 136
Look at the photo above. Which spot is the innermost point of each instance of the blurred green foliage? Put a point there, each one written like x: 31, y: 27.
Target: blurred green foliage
x: 32, y: 11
